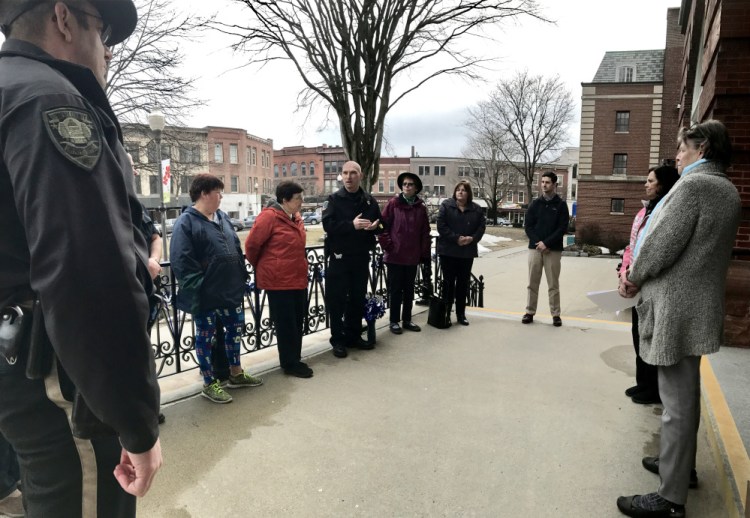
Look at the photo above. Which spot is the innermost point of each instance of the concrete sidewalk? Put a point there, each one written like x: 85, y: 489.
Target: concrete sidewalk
x: 494, y: 419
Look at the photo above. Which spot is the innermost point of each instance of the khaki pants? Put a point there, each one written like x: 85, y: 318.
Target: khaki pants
x: 550, y: 263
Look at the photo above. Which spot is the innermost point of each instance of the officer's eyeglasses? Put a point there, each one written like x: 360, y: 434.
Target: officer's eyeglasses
x: 106, y: 31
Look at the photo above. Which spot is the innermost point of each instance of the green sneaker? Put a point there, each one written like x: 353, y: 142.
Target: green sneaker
x: 215, y: 393
x: 243, y: 380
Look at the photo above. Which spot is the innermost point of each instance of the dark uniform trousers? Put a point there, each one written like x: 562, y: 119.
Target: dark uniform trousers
x: 346, y: 286
x: 62, y: 476
x: 401, y: 290
x: 287, y: 308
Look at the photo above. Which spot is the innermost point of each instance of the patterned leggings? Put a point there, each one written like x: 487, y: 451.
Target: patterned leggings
x: 233, y: 321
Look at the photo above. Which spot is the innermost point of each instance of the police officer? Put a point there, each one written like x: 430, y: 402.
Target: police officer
x: 351, y: 218
x: 70, y: 239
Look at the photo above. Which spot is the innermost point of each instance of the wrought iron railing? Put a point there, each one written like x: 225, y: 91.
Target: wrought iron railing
x: 173, y: 334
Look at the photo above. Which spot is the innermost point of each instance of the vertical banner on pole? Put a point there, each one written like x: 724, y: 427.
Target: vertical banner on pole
x: 166, y: 178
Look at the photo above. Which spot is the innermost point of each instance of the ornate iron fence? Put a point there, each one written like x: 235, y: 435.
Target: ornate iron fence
x: 173, y: 335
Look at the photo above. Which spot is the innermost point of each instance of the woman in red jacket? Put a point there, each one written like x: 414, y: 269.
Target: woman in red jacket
x: 276, y: 248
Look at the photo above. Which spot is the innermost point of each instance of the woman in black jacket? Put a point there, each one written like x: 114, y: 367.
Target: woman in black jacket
x: 461, y: 225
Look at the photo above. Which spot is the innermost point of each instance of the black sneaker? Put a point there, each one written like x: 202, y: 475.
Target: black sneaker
x: 362, y: 344
x: 339, y: 351
x: 395, y: 328
x: 411, y: 326
x: 556, y: 321
x: 632, y: 391
x: 652, y: 464
x: 651, y: 505
x: 528, y: 318
x: 646, y: 398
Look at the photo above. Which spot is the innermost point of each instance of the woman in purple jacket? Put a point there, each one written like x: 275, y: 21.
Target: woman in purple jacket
x: 406, y: 244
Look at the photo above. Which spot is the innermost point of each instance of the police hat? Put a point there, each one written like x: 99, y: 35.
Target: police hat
x: 403, y: 176
x: 120, y: 15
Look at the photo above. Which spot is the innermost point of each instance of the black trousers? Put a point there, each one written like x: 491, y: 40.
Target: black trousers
x: 288, y: 309
x: 646, y: 375
x: 401, y: 290
x: 346, y: 286
x: 9, y: 472
x: 62, y: 476
x: 456, y: 274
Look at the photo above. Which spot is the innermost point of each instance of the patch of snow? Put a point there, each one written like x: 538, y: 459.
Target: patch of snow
x: 493, y: 239
x: 482, y: 249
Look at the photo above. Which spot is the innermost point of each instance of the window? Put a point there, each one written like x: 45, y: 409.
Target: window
x: 439, y: 190
x: 424, y: 170
x: 134, y: 149
x: 381, y: 186
x: 617, y: 206
x: 464, y: 170
x: 521, y: 197
x: 560, y: 181
x: 276, y: 170
x: 233, y: 156
x: 190, y: 154
x: 293, y: 168
x: 283, y: 170
x: 521, y: 179
x: 622, y: 122
x: 573, y: 191
x: 184, y: 183
x: 235, y: 183
x: 138, y: 187
x: 218, y: 153
x: 626, y: 74
x: 575, y: 171
x: 312, y: 168
x: 391, y: 186
x: 254, y: 156
x: 479, y: 172
x: 303, y: 168
x: 509, y: 197
x: 620, y: 163
x: 153, y: 184
x: 439, y: 170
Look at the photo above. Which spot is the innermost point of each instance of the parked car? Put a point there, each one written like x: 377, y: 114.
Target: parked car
x: 311, y: 218
x: 237, y: 224
x: 170, y: 224
x: 504, y: 222
x: 249, y: 221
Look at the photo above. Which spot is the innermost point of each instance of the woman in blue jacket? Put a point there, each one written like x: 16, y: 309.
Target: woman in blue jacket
x: 210, y: 269
x: 461, y: 225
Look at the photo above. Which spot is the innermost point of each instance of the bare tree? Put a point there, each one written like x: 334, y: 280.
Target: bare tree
x: 349, y: 53
x: 526, y: 120
x: 144, y: 71
x: 489, y: 174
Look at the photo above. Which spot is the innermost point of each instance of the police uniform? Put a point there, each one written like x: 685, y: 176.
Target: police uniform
x: 70, y: 237
x: 348, y: 252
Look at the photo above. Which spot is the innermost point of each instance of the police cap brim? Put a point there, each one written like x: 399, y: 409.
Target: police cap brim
x: 121, y: 15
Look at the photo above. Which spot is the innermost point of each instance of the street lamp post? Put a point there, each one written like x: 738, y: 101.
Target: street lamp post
x: 156, y: 123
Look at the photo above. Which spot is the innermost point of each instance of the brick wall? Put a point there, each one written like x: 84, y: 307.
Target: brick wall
x: 594, y: 204
x: 670, y: 121
x: 635, y: 143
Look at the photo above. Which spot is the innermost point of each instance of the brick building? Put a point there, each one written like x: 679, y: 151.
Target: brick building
x: 386, y: 186
x: 621, y: 130
x: 244, y: 162
x: 315, y: 168
x: 714, y: 83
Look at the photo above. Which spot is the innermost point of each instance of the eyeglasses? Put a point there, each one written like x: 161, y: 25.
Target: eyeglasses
x: 408, y: 184
x: 106, y: 31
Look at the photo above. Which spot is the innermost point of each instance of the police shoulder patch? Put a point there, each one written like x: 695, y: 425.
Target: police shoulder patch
x: 76, y: 134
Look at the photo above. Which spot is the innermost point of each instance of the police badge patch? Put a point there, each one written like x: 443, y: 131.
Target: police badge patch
x: 75, y: 134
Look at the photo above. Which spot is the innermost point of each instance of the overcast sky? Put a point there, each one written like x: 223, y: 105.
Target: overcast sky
x: 431, y: 118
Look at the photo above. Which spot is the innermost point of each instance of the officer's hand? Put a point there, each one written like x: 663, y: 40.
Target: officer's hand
x: 373, y: 225
x: 360, y: 223
x: 136, y: 471
x: 153, y: 267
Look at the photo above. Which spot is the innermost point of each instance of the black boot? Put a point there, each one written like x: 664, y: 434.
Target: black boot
x: 448, y: 311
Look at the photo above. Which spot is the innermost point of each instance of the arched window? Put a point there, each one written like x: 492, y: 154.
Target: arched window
x: 303, y: 168
x: 293, y: 168
x: 276, y: 170
x: 283, y: 170
x: 312, y: 168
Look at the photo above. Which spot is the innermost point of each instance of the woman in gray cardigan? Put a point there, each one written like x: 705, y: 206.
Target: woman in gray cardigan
x: 680, y: 267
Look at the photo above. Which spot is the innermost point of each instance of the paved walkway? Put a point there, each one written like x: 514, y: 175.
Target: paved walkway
x: 496, y: 419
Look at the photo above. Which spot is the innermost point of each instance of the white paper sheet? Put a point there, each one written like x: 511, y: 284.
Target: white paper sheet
x: 610, y: 300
